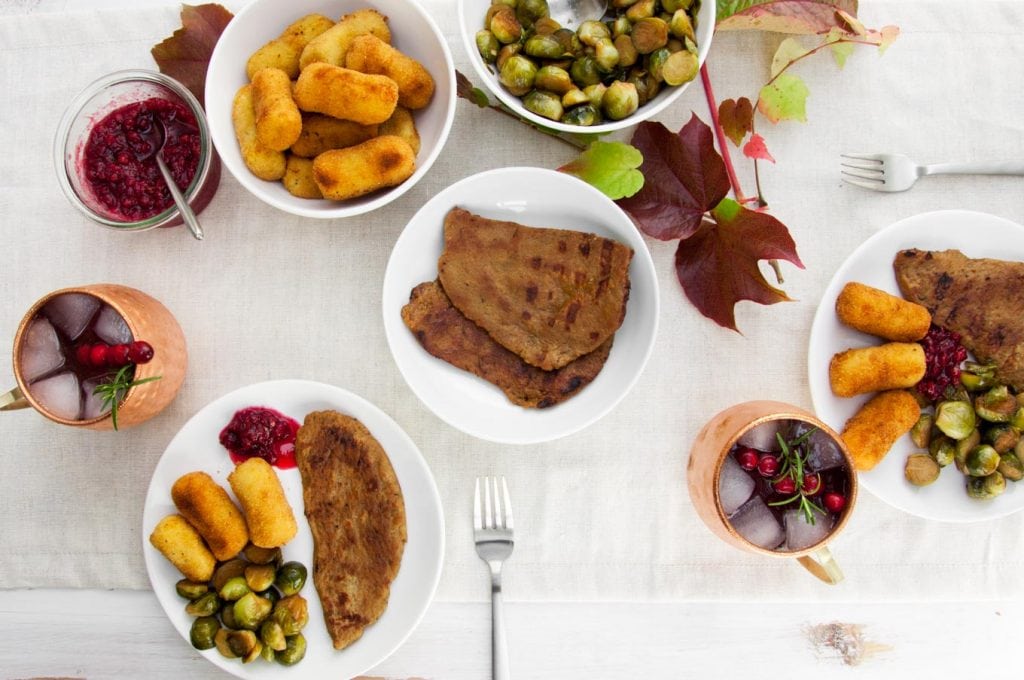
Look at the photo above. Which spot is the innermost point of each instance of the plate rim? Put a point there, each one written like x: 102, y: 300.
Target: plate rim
x: 826, y: 308
x: 647, y: 266
x: 433, y: 495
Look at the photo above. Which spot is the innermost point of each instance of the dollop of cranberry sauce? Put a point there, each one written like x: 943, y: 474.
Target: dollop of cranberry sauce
x: 943, y: 353
x: 258, y: 431
x: 133, y: 189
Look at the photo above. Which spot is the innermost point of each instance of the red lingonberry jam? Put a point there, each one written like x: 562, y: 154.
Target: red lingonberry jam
x: 943, y: 355
x: 130, y: 188
x: 261, y: 432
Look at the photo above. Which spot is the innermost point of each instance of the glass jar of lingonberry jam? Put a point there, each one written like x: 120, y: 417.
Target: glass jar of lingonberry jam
x: 106, y: 143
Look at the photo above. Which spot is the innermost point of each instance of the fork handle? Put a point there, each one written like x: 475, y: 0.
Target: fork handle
x: 499, y: 645
x: 979, y: 168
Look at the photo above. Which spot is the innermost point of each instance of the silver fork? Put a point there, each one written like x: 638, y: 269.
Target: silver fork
x: 896, y: 172
x: 492, y: 532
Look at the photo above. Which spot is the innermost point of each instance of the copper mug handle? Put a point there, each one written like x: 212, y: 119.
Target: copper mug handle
x: 822, y: 565
x: 13, y: 400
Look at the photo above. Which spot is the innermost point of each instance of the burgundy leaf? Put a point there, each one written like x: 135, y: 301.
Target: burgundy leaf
x: 185, y: 56
x: 684, y: 177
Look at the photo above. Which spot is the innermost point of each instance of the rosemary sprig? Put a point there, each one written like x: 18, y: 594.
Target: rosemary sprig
x: 112, y: 391
x: 794, y: 458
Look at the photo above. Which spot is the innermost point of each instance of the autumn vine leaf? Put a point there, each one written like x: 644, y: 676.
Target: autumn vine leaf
x: 781, y: 16
x: 610, y: 167
x: 737, y: 118
x: 185, y: 56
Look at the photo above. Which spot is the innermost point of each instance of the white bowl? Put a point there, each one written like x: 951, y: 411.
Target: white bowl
x: 471, y: 20
x: 412, y: 31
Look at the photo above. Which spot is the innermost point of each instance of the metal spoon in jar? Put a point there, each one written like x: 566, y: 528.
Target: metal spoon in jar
x: 572, y: 13
x: 157, y: 137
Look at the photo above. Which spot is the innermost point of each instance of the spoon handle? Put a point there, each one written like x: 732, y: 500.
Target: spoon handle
x: 183, y: 207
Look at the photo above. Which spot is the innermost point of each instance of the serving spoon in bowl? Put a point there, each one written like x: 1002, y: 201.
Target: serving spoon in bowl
x: 156, y: 135
x: 572, y: 13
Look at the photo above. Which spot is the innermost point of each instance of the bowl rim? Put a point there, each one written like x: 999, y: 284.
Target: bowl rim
x: 62, y: 138
x: 667, y: 97
x: 290, y: 204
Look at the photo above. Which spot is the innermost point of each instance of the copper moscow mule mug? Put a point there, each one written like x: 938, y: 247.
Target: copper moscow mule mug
x: 709, y: 450
x: 148, y: 320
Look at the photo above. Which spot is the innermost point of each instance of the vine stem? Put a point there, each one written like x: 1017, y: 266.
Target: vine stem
x: 730, y: 170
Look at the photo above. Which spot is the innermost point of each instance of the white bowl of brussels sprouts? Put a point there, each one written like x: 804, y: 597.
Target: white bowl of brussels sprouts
x: 606, y: 74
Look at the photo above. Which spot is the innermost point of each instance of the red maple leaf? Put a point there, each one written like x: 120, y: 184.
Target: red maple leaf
x: 185, y: 56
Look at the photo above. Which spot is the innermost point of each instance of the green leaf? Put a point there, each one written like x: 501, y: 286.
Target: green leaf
x: 789, y: 51
x: 785, y: 98
x: 783, y: 16
x: 611, y: 167
x: 841, y: 50
x: 465, y: 90
x: 889, y: 35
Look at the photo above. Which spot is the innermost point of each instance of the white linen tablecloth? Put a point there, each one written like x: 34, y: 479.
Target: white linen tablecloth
x: 602, y: 514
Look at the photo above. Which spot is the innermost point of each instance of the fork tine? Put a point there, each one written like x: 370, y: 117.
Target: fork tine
x: 478, y: 520
x: 863, y: 156
x: 874, y: 175
x: 498, y: 520
x: 488, y: 515
x: 863, y: 184
x: 508, y: 505
x: 865, y: 165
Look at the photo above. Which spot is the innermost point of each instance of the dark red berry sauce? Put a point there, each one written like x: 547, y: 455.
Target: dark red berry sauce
x: 130, y: 188
x: 258, y: 431
x: 943, y: 355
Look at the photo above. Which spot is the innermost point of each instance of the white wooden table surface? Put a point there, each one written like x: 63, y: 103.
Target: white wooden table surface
x: 124, y: 634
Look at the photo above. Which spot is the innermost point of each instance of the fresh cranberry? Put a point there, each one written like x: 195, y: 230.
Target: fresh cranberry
x: 260, y: 432
x: 768, y: 465
x: 747, y: 458
x: 785, y: 486
x: 82, y: 354
x: 118, y: 356
x: 834, y: 501
x: 811, y: 485
x: 98, y: 355
x: 140, y: 352
x: 943, y: 354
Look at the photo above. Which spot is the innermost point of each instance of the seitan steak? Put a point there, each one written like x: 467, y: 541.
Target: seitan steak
x: 981, y: 299
x: 548, y: 295
x: 448, y: 335
x: 356, y: 513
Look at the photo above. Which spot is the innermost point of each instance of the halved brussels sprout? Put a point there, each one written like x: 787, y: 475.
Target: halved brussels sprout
x: 203, y: 632
x: 943, y: 450
x: 259, y: 576
x: 1010, y: 466
x: 251, y: 610
x: 191, y: 590
x: 518, y: 74
x: 544, y: 104
x: 290, y: 578
x: 997, y: 405
x: 955, y: 418
x: 272, y: 635
x: 921, y: 469
x: 584, y: 115
x: 205, y: 605
x: 981, y: 461
x: 487, y: 45
x: 620, y: 100
x: 234, y: 589
x: 293, y: 652
x: 505, y: 26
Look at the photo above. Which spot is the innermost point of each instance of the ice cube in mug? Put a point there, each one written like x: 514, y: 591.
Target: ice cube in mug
x: 111, y: 327
x: 735, y: 486
x: 59, y: 395
x: 763, y: 437
x: 40, y: 350
x: 802, y: 534
x: 755, y: 522
x: 71, y: 313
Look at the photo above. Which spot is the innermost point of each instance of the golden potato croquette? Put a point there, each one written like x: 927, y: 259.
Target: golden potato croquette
x: 876, y: 312
x: 278, y: 121
x: 181, y: 544
x: 343, y: 93
x: 370, y: 54
x: 284, y: 51
x: 298, y: 178
x: 376, y: 163
x: 330, y: 46
x: 402, y: 124
x: 263, y: 162
x: 322, y: 133
x: 208, y: 508
x: 270, y: 519
x: 870, y: 369
x: 872, y: 431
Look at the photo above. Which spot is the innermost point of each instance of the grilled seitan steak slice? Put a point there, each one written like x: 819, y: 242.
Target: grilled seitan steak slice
x: 981, y: 299
x: 548, y: 295
x: 448, y: 335
x: 356, y: 513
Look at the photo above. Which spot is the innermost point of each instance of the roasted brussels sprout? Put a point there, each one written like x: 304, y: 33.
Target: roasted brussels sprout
x: 584, y: 71
x: 681, y: 67
x: 584, y: 115
x: 204, y: 605
x: 544, y: 104
x: 235, y: 588
x: 620, y: 100
x: 221, y: 642
x: 574, y: 97
x: 680, y: 25
x: 270, y: 594
x: 595, y: 93
x: 606, y: 55
x: 649, y: 34
x: 921, y: 432
x: 266, y: 653
x: 251, y: 610
x: 1010, y: 466
x: 272, y: 635
x: 976, y: 381
x: 203, y: 631
x: 487, y: 45
x: 554, y: 79
x: 921, y: 469
x: 258, y: 555
x: 954, y: 418
x: 1003, y: 437
x: 981, y: 461
x: 987, y: 487
x: 621, y: 26
x: 590, y: 32
x: 1017, y: 419
x: 943, y: 450
x: 292, y: 613
x: 546, y: 26
x: 244, y: 644
x: 642, y: 9
x: 646, y: 86
x: 655, y: 61
x: 675, y: 5
x: 544, y: 47
x: 293, y: 652
x: 227, y: 615
x: 227, y: 570
x: 506, y: 53
x: 963, y: 447
x: 997, y: 405
x: 518, y: 75
x: 569, y: 41
x: 627, y: 52
x: 529, y: 11
x: 505, y: 26
x: 290, y: 578
x: 190, y: 590
x: 259, y: 576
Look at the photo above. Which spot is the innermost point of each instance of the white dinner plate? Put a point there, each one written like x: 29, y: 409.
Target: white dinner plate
x: 539, y: 198
x: 196, y: 447
x: 976, y: 235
